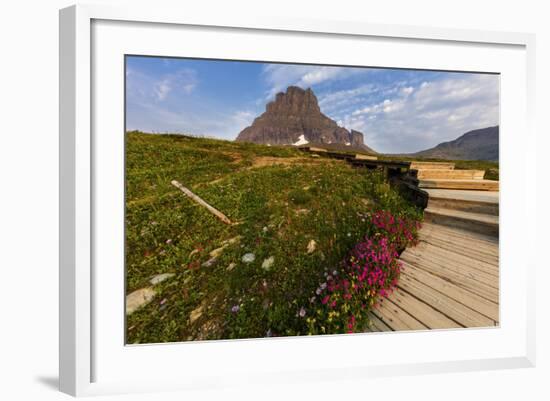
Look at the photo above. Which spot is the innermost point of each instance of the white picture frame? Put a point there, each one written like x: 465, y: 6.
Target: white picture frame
x: 81, y: 347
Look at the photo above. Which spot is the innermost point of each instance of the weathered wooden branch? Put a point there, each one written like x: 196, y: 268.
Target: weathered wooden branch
x: 201, y: 202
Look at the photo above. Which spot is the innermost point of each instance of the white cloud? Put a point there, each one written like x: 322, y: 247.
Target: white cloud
x: 241, y: 120
x: 149, y: 88
x: 183, y: 81
x: 407, y: 90
x: 161, y: 89
x: 386, y: 106
x: 391, y: 106
x: 319, y: 74
x: 420, y: 117
x: 280, y: 76
x: 334, y: 100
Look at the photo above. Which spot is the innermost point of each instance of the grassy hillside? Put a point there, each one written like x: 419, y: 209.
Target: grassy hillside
x: 283, y: 202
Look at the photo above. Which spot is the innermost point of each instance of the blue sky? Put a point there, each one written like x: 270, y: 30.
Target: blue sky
x: 396, y: 110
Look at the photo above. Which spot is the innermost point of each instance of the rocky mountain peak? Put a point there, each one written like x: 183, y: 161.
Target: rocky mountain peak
x: 295, y: 101
x: 295, y: 118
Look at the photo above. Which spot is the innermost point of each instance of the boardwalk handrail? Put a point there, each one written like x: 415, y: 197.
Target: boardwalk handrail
x: 380, y: 163
x: 351, y: 158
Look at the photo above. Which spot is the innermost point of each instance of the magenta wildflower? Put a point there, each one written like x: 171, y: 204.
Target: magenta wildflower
x: 371, y: 271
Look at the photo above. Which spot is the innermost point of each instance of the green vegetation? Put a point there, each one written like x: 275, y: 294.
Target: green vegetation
x: 298, y: 215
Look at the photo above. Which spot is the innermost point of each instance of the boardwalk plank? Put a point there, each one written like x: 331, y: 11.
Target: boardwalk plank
x: 376, y: 324
x: 486, y: 253
x: 476, y: 222
x: 428, y: 259
x: 369, y: 329
x: 491, y: 197
x: 454, y: 236
x: 395, y: 317
x: 423, y: 312
x: 468, y: 262
x: 458, y: 233
x: 447, y: 174
x: 460, y: 305
x: 457, y: 278
x: 417, y: 165
x: 480, y: 185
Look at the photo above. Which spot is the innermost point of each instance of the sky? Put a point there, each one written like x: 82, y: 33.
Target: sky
x: 397, y: 110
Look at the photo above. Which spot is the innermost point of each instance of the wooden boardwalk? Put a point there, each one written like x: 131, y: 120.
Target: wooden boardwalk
x: 451, y: 278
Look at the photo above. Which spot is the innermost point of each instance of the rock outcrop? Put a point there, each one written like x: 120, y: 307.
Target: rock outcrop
x: 295, y: 118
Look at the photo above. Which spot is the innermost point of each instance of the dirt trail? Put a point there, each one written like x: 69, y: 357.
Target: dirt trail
x: 265, y: 161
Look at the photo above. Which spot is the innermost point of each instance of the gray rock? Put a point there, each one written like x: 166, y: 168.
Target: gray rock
x: 159, y: 278
x: 209, y: 262
x: 195, y: 314
x: 138, y: 299
x: 232, y: 241
x: 267, y: 263
x: 217, y: 252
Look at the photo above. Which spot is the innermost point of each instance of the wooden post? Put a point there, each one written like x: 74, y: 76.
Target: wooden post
x: 201, y: 202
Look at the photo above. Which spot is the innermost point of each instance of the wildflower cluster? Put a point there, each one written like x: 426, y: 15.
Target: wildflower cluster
x: 343, y: 300
x: 401, y: 232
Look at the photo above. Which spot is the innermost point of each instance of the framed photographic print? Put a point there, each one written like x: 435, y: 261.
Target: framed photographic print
x: 250, y: 196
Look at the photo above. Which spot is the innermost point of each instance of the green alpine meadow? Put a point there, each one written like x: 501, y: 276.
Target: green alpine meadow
x: 295, y: 216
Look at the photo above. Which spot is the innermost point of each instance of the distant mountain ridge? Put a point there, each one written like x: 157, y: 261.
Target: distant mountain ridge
x: 479, y: 144
x: 295, y: 118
